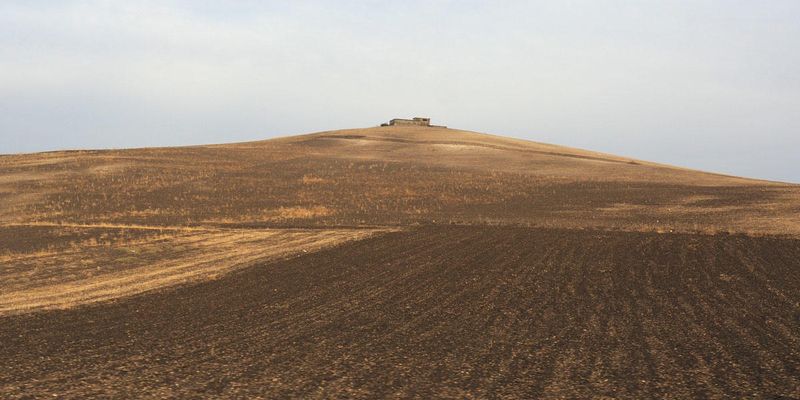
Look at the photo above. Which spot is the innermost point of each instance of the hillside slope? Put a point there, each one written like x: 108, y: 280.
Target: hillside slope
x: 386, y: 176
x: 393, y: 262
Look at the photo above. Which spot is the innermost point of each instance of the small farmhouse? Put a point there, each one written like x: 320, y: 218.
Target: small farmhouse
x: 416, y: 121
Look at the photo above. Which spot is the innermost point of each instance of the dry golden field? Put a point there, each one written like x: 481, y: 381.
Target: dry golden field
x: 405, y: 262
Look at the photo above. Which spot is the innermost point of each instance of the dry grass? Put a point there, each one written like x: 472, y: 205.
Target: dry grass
x: 385, y: 176
x: 73, y: 275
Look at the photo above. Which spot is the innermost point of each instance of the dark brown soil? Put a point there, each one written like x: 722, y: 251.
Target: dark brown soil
x: 443, y: 312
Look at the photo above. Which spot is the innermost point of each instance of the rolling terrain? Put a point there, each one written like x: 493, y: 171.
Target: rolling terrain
x: 393, y: 262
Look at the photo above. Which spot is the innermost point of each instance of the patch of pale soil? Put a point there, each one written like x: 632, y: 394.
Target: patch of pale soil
x: 37, y: 160
x: 773, y: 217
x: 104, y: 169
x: 277, y: 214
x: 463, y: 147
x: 17, y: 177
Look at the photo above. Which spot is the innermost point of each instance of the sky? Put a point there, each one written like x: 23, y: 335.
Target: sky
x: 711, y: 85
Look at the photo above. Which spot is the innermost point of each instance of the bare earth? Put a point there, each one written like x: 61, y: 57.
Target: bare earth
x: 393, y: 262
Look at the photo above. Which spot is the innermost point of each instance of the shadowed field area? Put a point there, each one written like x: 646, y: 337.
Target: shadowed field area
x: 393, y: 262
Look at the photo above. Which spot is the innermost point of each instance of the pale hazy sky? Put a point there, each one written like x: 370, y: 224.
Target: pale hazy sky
x: 713, y: 85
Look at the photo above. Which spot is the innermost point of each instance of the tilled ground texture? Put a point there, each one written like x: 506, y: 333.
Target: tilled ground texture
x: 490, y: 312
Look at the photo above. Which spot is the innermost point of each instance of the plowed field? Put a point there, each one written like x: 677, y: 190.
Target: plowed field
x: 453, y: 312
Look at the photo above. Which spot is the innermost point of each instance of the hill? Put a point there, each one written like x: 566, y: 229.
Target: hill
x: 385, y: 176
x: 393, y: 261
